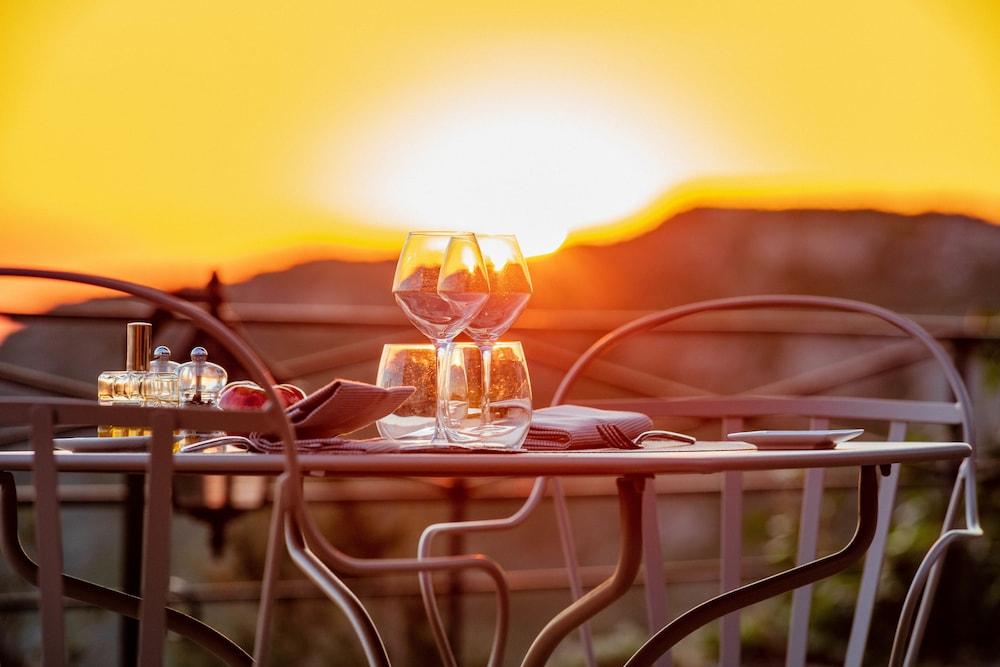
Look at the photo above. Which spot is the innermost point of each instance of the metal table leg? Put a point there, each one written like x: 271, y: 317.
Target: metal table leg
x: 630, y: 510
x: 779, y: 583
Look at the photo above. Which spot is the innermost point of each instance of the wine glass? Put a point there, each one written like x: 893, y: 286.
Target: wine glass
x: 440, y: 284
x: 510, y: 289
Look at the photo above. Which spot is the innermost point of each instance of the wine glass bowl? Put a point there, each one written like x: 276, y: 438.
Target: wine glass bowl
x: 510, y: 287
x: 434, y: 284
x: 462, y: 281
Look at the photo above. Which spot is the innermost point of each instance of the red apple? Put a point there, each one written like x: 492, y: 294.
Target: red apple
x: 242, y: 395
x: 246, y: 395
x: 289, y: 394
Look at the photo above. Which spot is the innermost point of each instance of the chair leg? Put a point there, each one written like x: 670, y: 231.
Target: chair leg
x: 900, y: 656
x: 336, y: 590
x: 332, y: 560
x: 909, y: 633
x: 927, y: 599
x: 426, y: 579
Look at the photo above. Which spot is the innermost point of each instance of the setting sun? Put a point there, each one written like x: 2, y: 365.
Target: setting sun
x: 529, y: 159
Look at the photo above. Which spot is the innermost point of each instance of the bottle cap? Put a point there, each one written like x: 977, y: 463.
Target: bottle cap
x: 161, y: 361
x: 138, y: 343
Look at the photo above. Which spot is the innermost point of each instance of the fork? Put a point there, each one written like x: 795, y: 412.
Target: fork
x: 221, y: 441
x: 616, y: 437
x: 682, y: 438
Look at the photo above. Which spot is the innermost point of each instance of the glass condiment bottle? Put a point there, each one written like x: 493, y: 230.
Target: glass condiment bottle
x: 126, y: 387
x: 161, y: 387
x: 200, y: 380
x: 161, y: 361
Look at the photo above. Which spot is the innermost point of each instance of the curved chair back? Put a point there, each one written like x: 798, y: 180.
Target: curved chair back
x: 733, y: 410
x: 44, y: 415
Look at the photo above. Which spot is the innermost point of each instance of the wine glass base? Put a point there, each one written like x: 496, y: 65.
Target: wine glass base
x: 487, y: 430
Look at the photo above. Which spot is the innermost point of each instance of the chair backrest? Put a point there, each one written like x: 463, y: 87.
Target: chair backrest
x: 733, y: 411
x: 43, y: 416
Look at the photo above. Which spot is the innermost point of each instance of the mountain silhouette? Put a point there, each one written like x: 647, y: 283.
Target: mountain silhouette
x: 931, y: 263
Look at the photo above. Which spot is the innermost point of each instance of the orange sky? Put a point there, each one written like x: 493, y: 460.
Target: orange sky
x: 156, y: 141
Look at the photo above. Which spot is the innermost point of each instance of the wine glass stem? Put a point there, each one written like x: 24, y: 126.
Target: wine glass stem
x: 442, y: 349
x: 486, y: 354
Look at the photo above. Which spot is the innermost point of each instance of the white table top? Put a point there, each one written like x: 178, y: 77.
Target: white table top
x: 654, y: 459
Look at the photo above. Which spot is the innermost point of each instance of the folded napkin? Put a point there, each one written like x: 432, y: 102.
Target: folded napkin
x: 340, y: 407
x: 576, y: 427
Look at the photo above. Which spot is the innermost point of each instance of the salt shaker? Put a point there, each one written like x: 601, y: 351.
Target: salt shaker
x: 161, y: 361
x: 201, y: 380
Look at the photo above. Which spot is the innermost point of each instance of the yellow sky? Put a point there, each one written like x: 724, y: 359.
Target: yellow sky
x: 155, y: 141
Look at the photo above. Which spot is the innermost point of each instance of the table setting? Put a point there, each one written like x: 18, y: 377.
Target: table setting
x: 442, y: 396
x: 457, y: 398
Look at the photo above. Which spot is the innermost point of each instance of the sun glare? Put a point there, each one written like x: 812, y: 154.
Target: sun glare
x: 469, y: 259
x: 496, y: 253
x: 530, y: 162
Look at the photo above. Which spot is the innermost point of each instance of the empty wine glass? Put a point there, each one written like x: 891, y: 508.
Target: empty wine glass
x: 510, y: 289
x: 440, y: 284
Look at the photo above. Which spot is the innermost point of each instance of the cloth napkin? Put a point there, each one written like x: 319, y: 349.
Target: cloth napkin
x: 340, y: 407
x: 575, y: 427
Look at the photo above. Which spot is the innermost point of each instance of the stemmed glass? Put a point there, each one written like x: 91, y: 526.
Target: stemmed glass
x: 440, y: 284
x: 510, y: 289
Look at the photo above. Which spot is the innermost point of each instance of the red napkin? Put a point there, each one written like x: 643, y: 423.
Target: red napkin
x: 575, y: 427
x: 340, y: 407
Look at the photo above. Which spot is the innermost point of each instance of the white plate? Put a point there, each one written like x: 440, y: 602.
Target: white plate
x: 129, y: 443
x: 796, y: 439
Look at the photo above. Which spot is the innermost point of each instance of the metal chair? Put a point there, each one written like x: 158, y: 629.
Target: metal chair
x: 43, y: 416
x: 291, y: 522
x: 732, y: 411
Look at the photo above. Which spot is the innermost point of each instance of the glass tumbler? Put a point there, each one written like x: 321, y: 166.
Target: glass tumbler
x: 413, y: 421
x: 415, y: 365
